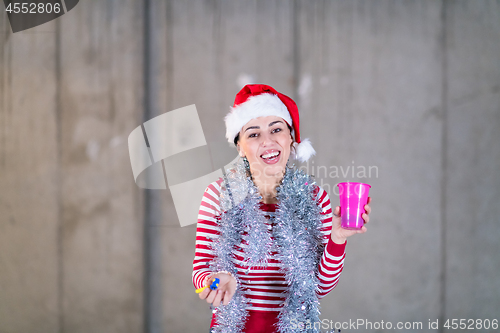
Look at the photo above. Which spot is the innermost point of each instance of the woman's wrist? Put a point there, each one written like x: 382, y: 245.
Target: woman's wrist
x: 337, y: 240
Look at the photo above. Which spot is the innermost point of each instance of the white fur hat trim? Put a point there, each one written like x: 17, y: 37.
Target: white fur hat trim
x: 304, y: 150
x: 261, y: 105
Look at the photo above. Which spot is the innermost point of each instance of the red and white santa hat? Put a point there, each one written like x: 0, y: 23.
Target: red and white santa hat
x: 260, y: 100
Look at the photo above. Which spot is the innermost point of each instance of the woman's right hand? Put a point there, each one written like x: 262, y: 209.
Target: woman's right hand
x: 223, y: 293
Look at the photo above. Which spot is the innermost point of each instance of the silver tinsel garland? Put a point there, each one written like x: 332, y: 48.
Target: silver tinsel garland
x: 297, y: 237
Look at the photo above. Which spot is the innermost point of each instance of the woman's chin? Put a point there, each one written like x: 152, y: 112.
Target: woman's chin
x: 274, y: 170
x: 268, y: 170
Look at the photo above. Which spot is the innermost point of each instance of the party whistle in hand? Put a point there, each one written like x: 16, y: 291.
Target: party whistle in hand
x: 213, y: 286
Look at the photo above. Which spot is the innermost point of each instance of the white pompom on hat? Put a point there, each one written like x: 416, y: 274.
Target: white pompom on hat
x: 260, y: 100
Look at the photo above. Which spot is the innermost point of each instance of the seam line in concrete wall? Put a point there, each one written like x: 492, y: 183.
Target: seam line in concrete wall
x: 147, y: 198
x: 64, y: 6
x: 3, y: 122
x: 296, y: 51
x: 170, y: 58
x: 444, y: 145
x: 60, y: 230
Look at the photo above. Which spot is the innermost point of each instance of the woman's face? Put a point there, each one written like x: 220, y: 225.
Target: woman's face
x: 265, y: 141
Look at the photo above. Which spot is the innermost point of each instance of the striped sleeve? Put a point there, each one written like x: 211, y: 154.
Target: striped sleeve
x: 332, y: 260
x: 206, y: 231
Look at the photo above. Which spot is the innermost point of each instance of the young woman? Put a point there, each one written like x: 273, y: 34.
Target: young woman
x: 266, y: 230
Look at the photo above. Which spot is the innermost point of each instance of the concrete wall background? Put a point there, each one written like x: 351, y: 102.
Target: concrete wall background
x: 71, y: 233
x: 411, y: 87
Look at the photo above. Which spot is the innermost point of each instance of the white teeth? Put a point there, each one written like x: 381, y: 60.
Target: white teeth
x: 270, y: 155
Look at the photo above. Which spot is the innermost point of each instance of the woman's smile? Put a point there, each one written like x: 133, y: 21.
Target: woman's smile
x: 271, y: 156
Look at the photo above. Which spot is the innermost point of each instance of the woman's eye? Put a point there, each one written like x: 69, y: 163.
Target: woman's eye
x: 252, y: 135
x: 276, y: 130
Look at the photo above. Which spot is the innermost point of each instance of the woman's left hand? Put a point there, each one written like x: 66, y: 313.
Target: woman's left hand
x: 339, y: 234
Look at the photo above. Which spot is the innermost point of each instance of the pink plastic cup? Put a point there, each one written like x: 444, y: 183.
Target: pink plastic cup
x: 353, y: 198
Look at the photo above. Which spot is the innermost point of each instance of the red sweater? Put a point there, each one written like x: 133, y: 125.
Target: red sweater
x: 263, y: 287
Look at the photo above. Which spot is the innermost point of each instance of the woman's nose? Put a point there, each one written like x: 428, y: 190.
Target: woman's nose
x: 266, y: 139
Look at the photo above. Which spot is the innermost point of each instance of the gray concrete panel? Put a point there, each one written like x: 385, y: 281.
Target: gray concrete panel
x: 473, y: 160
x: 370, y: 94
x: 29, y: 220
x: 102, y: 211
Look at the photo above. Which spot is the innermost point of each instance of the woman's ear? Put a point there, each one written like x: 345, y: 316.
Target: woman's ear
x: 239, y: 151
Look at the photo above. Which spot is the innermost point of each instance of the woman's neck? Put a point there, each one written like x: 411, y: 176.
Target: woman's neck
x: 267, y: 188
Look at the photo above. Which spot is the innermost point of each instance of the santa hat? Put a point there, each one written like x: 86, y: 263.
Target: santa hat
x: 260, y: 100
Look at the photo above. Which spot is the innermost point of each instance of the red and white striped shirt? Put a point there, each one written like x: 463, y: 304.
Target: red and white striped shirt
x: 263, y: 287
